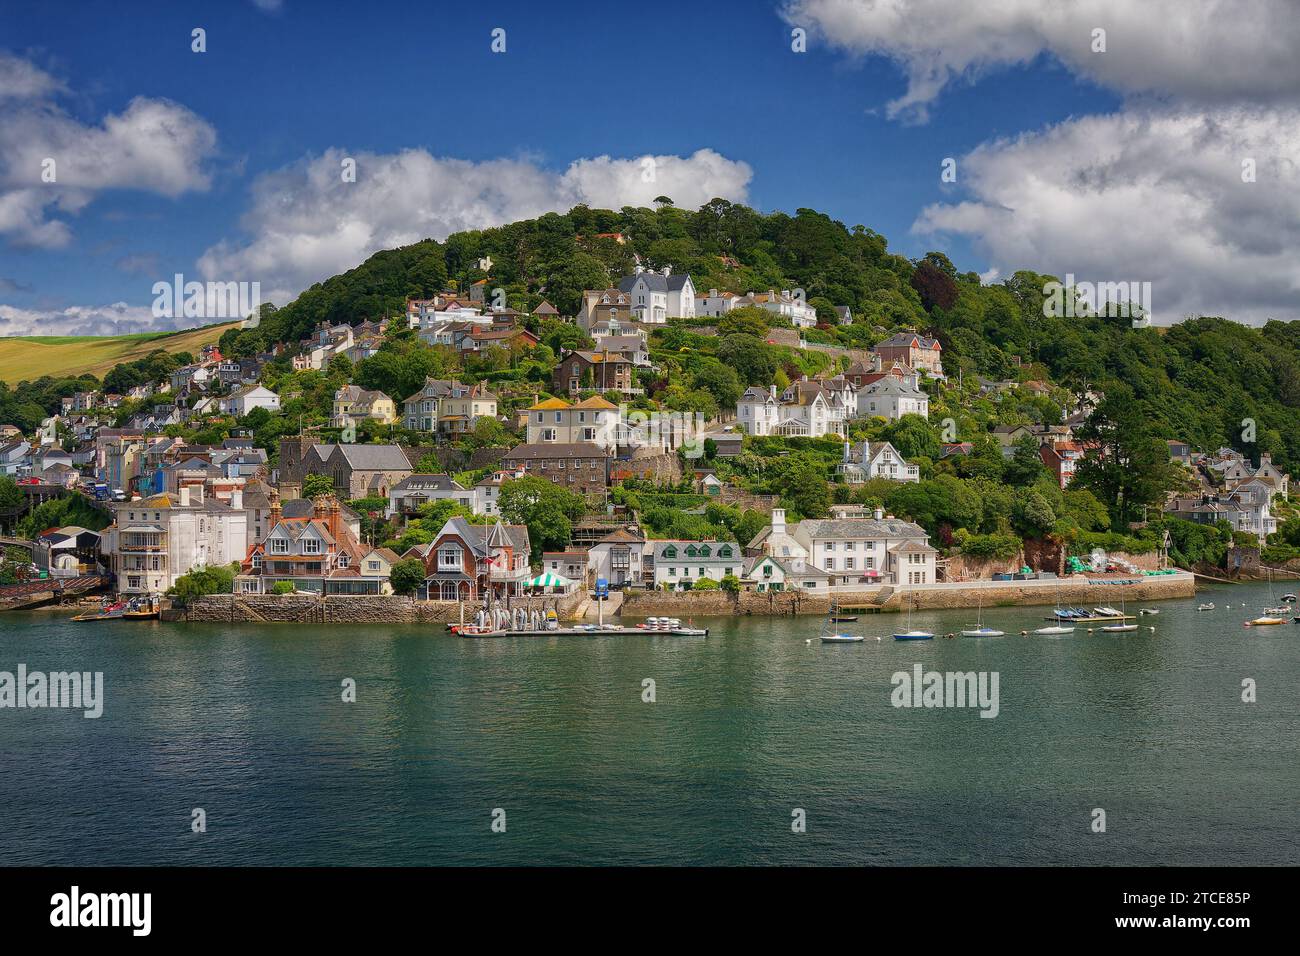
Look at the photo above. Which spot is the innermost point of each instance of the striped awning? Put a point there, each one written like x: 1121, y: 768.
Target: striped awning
x: 548, y: 580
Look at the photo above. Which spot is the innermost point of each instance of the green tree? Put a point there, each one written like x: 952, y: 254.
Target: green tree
x: 315, y: 485
x: 547, y: 509
x: 1025, y: 466
x: 200, y: 581
x: 407, y: 575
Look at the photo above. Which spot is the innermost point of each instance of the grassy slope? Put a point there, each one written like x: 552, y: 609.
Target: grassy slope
x: 30, y: 357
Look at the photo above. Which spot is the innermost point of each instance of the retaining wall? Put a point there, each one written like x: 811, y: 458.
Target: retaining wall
x: 1088, y: 591
x: 346, y: 609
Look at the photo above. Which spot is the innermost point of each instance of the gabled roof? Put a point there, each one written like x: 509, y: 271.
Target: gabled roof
x: 911, y: 340
x: 656, y: 281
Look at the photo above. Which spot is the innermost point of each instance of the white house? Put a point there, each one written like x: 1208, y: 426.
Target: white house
x: 416, y: 490
x: 243, y: 400
x: 805, y: 408
x: 891, y: 398
x: 767, y: 573
x: 882, y: 460
x: 619, y: 558
x: 716, y: 303
x: 659, y: 296
x: 776, y: 540
x: 877, y: 550
x: 679, y: 564
x: 153, y: 541
x: 789, y: 305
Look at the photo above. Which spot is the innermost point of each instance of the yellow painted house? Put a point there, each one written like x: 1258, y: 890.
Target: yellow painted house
x: 352, y: 402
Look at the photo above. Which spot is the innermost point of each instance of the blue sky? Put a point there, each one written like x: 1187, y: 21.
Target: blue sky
x: 278, y: 89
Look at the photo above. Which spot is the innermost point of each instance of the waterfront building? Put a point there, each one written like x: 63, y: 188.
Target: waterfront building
x: 618, y: 557
x: 153, y: 541
x: 465, y: 561
x: 316, y: 552
x: 679, y: 564
x: 765, y: 573
x: 877, y: 550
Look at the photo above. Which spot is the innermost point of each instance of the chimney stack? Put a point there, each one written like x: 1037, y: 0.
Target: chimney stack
x: 237, y: 499
x: 878, y: 514
x: 185, y: 496
x: 275, y: 507
x: 778, y: 521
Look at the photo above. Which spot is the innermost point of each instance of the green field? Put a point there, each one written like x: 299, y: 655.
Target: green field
x: 29, y: 357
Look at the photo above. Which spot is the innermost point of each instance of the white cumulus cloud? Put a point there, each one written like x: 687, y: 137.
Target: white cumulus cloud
x: 1151, y: 196
x: 305, y: 223
x: 1211, y: 51
x: 153, y: 145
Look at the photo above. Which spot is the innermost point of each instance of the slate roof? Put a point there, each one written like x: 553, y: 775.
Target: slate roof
x: 656, y: 281
x: 862, y: 528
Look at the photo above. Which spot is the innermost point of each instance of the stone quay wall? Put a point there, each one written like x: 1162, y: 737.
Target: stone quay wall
x: 347, y: 609
x: 1090, y: 591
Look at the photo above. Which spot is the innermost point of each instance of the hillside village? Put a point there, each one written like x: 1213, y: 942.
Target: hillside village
x: 501, y: 436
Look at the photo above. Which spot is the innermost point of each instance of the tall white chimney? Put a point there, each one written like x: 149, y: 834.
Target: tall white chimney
x: 237, y: 499
x: 778, y: 521
x: 185, y: 496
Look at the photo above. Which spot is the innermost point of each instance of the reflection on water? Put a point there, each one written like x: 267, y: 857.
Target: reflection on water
x: 248, y: 722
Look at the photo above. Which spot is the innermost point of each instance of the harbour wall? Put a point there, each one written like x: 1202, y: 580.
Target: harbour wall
x: 346, y: 609
x: 1080, y: 590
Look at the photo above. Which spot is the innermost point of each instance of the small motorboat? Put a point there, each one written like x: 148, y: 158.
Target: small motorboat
x: 1276, y: 610
x: 1148, y: 610
x: 1054, y: 629
x: 844, y: 620
x: 1265, y: 621
x: 1205, y: 607
x: 114, y: 611
x: 1288, y: 598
